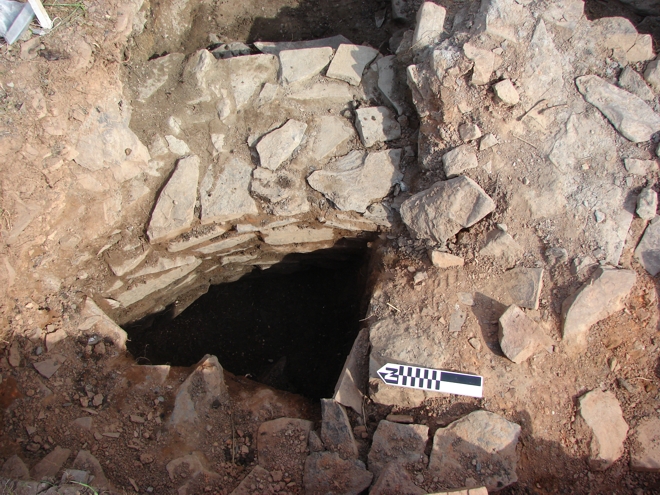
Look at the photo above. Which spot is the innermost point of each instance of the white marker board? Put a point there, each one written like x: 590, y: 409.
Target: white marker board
x: 448, y: 382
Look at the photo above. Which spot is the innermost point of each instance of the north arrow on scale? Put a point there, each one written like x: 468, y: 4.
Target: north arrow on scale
x: 449, y: 382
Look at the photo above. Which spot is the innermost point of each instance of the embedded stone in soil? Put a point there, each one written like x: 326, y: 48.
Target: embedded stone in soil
x: 290, y: 326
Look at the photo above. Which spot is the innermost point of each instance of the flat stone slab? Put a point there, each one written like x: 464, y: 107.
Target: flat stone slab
x: 647, y: 204
x: 276, y: 47
x: 645, y: 447
x: 247, y: 75
x: 195, y: 238
x: 397, y: 442
x: 350, y: 389
x: 50, y: 465
x: 648, y: 249
x: 121, y: 265
x: 520, y: 337
x: 445, y: 260
x: 156, y: 73
x: 175, y: 208
x: 325, y: 471
x: 628, y: 113
x: 225, y: 244
x: 438, y: 213
x: 521, y: 286
x: 161, y: 265
x: 459, y: 160
x: 480, y: 436
x: 294, y: 234
x: 277, y: 146
x: 391, y: 83
x: 49, y: 367
x: 395, y: 480
x: 355, y: 181
x: 331, y: 133
x: 336, y: 430
x: 303, y: 64
x: 633, y: 82
x: 349, y: 62
x: 225, y: 191
x: 430, y: 25
x: 376, y: 125
x: 602, y: 413
x: 140, y: 291
x: 599, y: 298
x: 326, y: 91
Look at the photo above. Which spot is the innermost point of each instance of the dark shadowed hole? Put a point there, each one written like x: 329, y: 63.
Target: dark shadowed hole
x: 290, y: 327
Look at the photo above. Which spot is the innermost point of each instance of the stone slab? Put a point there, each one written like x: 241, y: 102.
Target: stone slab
x: 648, y: 249
x: 349, y: 62
x: 277, y: 146
x: 224, y: 191
x: 300, y: 65
x: 294, y: 234
x: 397, y: 442
x: 602, y: 413
x: 645, y: 447
x: 376, y: 125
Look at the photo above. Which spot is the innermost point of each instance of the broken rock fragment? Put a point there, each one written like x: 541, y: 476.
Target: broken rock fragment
x: 376, y: 125
x: 396, y: 442
x: 648, y: 250
x: 49, y: 367
x: 325, y: 471
x: 647, y: 204
x: 349, y: 62
x: 355, y: 181
x: 519, y: 335
x: 300, y: 65
x: 175, y: 208
x: 502, y: 246
x: 224, y: 191
x: 506, y: 92
x: 628, y: 113
x: 634, y: 82
x: 645, y: 451
x: 459, y: 160
x: 602, y: 413
x: 439, y: 212
x: 484, y: 62
x: 395, y: 480
x: 483, y: 437
x: 430, y: 25
x: 336, y: 431
x: 445, y: 260
x: 469, y: 132
x: 277, y: 146
x: 599, y: 298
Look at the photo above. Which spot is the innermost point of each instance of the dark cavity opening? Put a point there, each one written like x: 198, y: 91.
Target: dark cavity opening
x: 290, y: 326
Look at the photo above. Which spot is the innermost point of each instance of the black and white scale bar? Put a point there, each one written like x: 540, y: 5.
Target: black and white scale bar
x: 447, y: 382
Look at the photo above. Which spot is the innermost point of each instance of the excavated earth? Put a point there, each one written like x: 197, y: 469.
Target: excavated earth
x: 462, y: 186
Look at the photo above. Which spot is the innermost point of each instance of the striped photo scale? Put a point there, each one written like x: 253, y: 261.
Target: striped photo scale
x: 448, y: 382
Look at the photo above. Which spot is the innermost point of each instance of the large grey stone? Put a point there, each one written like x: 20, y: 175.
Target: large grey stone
x: 501, y: 19
x: 648, y: 249
x: 248, y: 74
x: 142, y: 290
x: 645, y: 447
x: 349, y: 62
x: 336, y: 431
x: 599, y: 298
x: 331, y: 132
x: 397, y: 442
x: 224, y: 191
x: 602, y: 413
x: 430, y: 25
x: 628, y: 113
x: 277, y: 146
x: 300, y: 65
x: 175, y: 208
x: 376, y: 125
x: 327, y: 473
x: 634, y: 83
x: 459, y: 160
x: 542, y: 77
x: 445, y: 208
x: 520, y: 337
x: 480, y: 436
x: 392, y: 83
x: 355, y: 181
x: 647, y: 204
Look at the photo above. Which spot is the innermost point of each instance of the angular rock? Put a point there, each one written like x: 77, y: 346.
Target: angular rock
x: 603, y: 415
x: 430, y: 25
x: 95, y: 319
x: 376, y: 125
x: 459, y: 160
x: 445, y: 260
x: 488, y: 141
x: 282, y: 446
x: 501, y: 19
x: 48, y: 367
x: 248, y: 74
x: 439, y: 212
x: 652, y: 74
x: 349, y: 390
x: 355, y: 181
x: 85, y: 461
x: 506, y: 92
x: 469, y: 132
x: 391, y: 83
x: 277, y: 146
x: 542, y: 77
x: 15, y: 469
x: 645, y: 449
x: 634, y: 83
x: 394, y: 480
x: 202, y: 392
x: 325, y: 91
x: 177, y: 146
x: 227, y: 243
x: 300, y: 65
x: 275, y: 48
x: 194, y: 238
x: 49, y: 466
x: 614, y: 33
x: 480, y: 436
x: 647, y: 204
x: 397, y: 442
x: 156, y: 73
x: 121, y: 265
x: 484, y: 63
x: 224, y: 191
x: 336, y: 430
x: 294, y: 234
x: 234, y: 49
x: 648, y: 249
x: 564, y: 13
x: 257, y: 477
x: 175, y: 208
x: 599, y: 298
x: 326, y: 472
x: 501, y: 245
x: 640, y: 167
x: 162, y: 265
x: 628, y: 113
x: 75, y: 476
x: 140, y: 291
x: 349, y: 62
x: 332, y: 132
x: 520, y: 337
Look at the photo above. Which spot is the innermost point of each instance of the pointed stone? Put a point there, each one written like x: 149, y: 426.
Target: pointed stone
x: 85, y: 461
x: 336, y: 431
x: 602, y: 413
x: 484, y: 63
x: 49, y: 367
x: 599, y: 298
x: 175, y: 208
